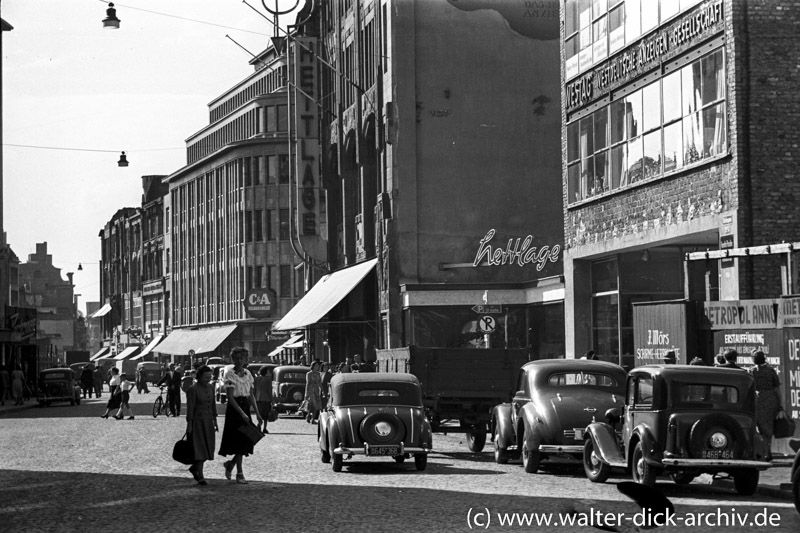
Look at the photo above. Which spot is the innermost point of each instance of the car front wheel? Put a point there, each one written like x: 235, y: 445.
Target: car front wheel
x: 530, y: 457
x: 596, y: 470
x: 746, y: 482
x: 642, y: 472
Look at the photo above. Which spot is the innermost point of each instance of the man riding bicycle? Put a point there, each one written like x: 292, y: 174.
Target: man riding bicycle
x: 172, y: 380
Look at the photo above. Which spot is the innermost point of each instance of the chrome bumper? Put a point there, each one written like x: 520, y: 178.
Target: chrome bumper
x: 344, y: 450
x: 555, y: 448
x: 706, y: 463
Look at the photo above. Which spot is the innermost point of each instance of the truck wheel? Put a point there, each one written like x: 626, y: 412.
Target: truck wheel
x: 746, y: 482
x: 642, y: 472
x: 596, y: 470
x: 421, y: 461
x: 500, y: 454
x: 476, y: 439
x: 530, y: 458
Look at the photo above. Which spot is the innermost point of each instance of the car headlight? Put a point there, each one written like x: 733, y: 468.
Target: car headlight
x: 383, y: 429
x: 718, y: 440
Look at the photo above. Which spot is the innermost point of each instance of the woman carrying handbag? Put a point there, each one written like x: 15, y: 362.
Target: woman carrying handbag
x: 238, y: 383
x: 201, y: 421
x: 768, y: 397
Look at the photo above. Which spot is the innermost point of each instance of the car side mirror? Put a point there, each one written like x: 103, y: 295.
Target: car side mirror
x: 613, y: 416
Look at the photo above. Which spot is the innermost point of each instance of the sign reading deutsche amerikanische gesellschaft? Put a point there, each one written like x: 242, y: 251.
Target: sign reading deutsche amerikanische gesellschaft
x: 741, y: 314
x: 664, y: 44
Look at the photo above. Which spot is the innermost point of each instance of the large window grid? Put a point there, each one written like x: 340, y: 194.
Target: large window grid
x: 676, y: 121
x: 596, y: 29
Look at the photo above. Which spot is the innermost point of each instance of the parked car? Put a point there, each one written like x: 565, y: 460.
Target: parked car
x: 255, y: 368
x: 58, y: 385
x: 288, y: 387
x: 375, y: 415
x: 684, y: 421
x: 555, y: 400
x: 216, y: 380
x: 795, y: 475
x: 151, y: 369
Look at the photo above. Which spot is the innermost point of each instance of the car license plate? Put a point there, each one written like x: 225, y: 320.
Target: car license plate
x: 717, y: 454
x: 383, y: 450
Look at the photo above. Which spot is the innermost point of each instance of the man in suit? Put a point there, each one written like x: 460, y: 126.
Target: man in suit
x: 168, y: 380
x: 730, y: 356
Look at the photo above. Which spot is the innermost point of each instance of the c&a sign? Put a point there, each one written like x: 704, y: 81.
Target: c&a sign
x: 259, y: 303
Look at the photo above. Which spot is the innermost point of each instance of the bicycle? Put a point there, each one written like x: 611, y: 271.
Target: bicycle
x: 160, y: 405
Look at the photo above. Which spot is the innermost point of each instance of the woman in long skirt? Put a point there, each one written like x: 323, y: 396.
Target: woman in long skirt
x: 116, y: 395
x: 201, y: 421
x: 238, y: 382
x: 768, y: 397
x: 312, y: 399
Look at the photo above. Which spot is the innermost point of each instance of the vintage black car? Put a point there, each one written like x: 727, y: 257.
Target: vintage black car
x: 374, y: 415
x: 684, y: 421
x: 288, y: 387
x: 555, y: 400
x: 58, y: 385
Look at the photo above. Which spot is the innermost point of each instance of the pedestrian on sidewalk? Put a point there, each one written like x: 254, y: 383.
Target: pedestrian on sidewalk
x: 238, y: 383
x: 17, y: 384
x: 99, y: 379
x: 167, y: 380
x: 116, y: 394
x: 201, y: 421
x: 263, y: 390
x: 768, y: 397
x: 141, y: 380
x: 312, y: 401
x: 5, y: 384
x: 125, y: 386
x: 87, y: 380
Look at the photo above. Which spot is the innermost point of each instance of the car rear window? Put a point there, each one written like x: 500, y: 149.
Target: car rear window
x: 707, y: 393
x: 54, y: 376
x: 582, y: 378
x: 293, y: 376
x: 370, y: 394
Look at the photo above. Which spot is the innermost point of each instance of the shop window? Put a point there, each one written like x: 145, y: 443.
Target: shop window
x: 651, y: 159
x: 673, y: 147
x: 671, y: 88
x: 651, y: 110
x: 617, y: 163
x: 600, y: 39
x: 616, y: 28
x: 633, y: 25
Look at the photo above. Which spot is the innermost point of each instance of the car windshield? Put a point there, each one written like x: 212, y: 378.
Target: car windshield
x: 377, y: 394
x: 293, y: 376
x: 580, y: 378
x: 692, y: 393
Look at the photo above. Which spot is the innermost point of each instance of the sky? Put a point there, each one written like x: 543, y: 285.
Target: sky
x: 143, y: 88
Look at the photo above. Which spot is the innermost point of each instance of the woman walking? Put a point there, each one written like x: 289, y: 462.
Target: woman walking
x: 115, y: 398
x: 125, y: 387
x: 263, y: 392
x: 238, y: 383
x: 768, y: 397
x: 17, y: 384
x: 201, y: 421
x: 312, y: 400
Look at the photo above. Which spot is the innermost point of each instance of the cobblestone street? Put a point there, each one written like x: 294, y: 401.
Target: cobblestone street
x: 66, y: 469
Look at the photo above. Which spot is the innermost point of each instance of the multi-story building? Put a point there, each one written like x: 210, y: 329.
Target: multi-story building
x: 679, y: 136
x: 121, y: 283
x: 43, y: 288
x: 228, y: 222
x: 439, y: 126
x: 154, y: 263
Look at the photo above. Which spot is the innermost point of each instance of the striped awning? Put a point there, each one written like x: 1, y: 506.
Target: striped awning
x: 101, y: 353
x: 149, y: 348
x: 103, y: 311
x: 126, y: 353
x: 295, y: 341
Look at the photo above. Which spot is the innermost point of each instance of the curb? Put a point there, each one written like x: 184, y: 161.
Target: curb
x: 764, y: 490
x: 15, y: 408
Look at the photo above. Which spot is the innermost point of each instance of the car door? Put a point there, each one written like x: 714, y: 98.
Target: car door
x: 638, y: 403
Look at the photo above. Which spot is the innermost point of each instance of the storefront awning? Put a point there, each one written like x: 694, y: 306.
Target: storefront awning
x: 126, y: 353
x: 101, y: 353
x: 323, y: 296
x: 180, y: 341
x: 148, y: 348
x: 103, y: 311
x: 295, y: 341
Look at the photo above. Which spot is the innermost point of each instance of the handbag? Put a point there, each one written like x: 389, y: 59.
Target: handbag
x: 783, y: 427
x: 251, y: 432
x: 272, y: 416
x: 183, y: 451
